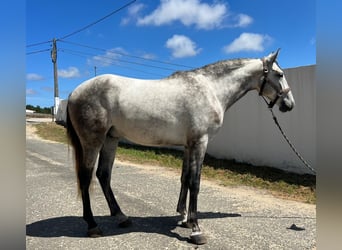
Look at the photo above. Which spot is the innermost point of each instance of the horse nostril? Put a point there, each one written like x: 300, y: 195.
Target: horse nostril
x: 284, y: 107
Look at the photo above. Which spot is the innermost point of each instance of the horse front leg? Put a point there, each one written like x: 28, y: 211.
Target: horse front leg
x: 197, y: 153
x: 181, y: 206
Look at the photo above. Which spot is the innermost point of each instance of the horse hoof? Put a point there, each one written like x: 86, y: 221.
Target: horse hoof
x: 198, y: 239
x: 94, y: 232
x: 125, y: 223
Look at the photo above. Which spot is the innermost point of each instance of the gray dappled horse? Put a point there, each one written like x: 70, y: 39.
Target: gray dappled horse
x: 184, y: 109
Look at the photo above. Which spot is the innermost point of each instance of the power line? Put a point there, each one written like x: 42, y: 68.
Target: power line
x: 36, y: 44
x: 128, y: 55
x: 95, y: 22
x: 119, y: 60
x: 80, y: 54
x: 114, y: 52
x: 36, y: 52
x: 87, y: 26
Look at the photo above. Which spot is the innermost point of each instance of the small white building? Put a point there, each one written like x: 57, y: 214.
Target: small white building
x: 61, y: 112
x: 29, y: 111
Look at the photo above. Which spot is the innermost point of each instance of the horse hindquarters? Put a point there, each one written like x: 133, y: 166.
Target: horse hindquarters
x: 85, y: 158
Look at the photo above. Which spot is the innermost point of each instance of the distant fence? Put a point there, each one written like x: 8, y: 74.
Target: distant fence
x: 39, y: 115
x: 250, y: 135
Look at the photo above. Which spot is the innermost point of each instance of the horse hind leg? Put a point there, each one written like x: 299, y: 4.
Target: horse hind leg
x: 103, y: 173
x: 84, y: 175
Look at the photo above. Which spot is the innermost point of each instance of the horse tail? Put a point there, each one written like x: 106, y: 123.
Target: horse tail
x: 74, y: 140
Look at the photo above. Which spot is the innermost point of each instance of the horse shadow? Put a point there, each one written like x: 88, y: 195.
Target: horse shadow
x: 74, y: 226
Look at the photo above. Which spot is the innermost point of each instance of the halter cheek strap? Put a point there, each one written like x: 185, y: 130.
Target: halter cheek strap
x: 264, y: 81
x: 280, y: 94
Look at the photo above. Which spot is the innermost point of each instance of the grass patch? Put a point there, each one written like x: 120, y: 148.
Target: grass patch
x: 51, y: 131
x: 225, y: 172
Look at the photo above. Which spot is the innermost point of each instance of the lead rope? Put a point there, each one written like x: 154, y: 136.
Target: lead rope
x: 288, y: 140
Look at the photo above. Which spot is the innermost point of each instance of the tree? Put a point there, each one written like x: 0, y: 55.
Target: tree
x: 38, y: 109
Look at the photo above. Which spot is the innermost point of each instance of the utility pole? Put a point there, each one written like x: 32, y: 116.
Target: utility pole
x: 95, y: 70
x: 55, y: 76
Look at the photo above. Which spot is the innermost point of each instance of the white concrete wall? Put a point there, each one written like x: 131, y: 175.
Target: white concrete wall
x: 250, y: 135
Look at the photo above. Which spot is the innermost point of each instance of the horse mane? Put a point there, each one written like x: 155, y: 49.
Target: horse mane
x: 216, y: 69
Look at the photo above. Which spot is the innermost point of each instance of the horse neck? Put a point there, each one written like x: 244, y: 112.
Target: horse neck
x: 231, y: 87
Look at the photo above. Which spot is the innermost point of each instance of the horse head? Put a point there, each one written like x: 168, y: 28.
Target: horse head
x: 273, y: 84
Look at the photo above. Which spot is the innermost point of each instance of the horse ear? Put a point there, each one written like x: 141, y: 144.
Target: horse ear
x: 271, y: 58
x: 276, y: 54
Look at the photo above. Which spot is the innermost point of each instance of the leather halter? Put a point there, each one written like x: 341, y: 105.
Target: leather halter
x: 265, y: 80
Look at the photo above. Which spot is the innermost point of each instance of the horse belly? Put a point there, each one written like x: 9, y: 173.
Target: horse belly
x: 151, y: 133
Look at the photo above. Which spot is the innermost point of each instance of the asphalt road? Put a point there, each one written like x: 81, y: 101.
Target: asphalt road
x: 231, y: 218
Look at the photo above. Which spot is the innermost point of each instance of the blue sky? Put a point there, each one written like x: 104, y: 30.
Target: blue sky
x: 152, y: 39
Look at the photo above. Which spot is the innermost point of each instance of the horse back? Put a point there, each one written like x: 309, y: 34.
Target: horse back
x: 150, y: 112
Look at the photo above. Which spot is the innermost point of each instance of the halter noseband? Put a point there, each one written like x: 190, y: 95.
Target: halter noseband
x: 280, y: 94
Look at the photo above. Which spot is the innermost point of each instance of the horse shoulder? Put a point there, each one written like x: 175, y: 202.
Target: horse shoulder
x: 206, y: 109
x: 215, y: 113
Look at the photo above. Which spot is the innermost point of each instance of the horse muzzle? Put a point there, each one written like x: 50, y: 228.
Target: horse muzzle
x: 285, y: 106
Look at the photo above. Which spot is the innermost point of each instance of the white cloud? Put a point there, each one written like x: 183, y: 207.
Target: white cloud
x: 34, y: 77
x: 248, y: 42
x: 133, y: 13
x: 188, y: 12
x: 182, y: 46
x: 30, y: 92
x: 313, y: 41
x: 71, y: 72
x: 148, y: 56
x: 110, y: 57
x: 47, y: 89
x: 243, y: 20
